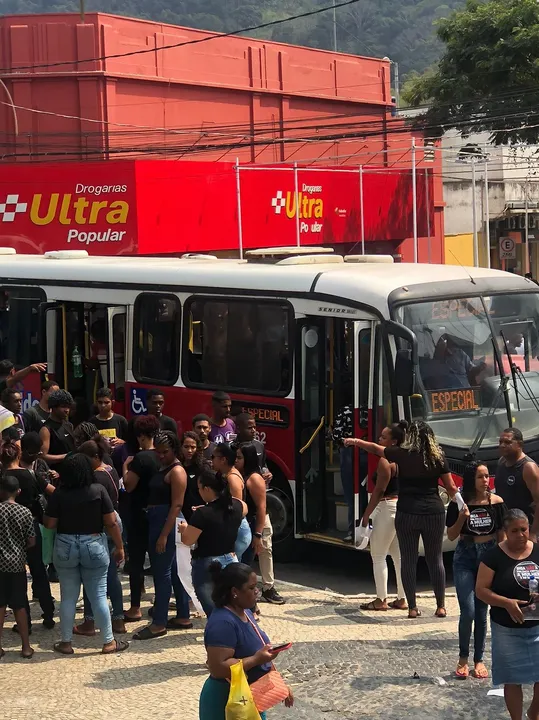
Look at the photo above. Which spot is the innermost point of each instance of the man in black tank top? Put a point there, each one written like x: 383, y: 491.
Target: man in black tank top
x: 517, y: 477
x: 56, y: 433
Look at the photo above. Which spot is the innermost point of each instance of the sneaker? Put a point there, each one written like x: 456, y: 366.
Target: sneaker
x: 272, y: 596
x: 348, y: 538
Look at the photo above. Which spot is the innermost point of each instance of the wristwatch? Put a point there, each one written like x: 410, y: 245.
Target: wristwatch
x: 258, y: 535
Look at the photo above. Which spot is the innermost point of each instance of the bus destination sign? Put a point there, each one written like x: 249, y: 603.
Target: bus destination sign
x: 455, y: 401
x: 276, y: 415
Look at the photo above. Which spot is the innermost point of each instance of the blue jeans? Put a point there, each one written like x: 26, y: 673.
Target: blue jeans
x: 202, y: 581
x: 114, y: 587
x: 347, y: 479
x: 164, y: 569
x: 473, y: 612
x: 83, y: 558
x: 243, y: 539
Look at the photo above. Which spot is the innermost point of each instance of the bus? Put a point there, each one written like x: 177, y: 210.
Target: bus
x: 293, y: 335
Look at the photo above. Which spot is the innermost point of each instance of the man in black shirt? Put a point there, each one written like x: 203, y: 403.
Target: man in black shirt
x: 110, y: 424
x: 246, y: 429
x: 155, y: 401
x: 38, y: 414
x: 57, y: 432
x: 517, y: 478
x: 202, y: 427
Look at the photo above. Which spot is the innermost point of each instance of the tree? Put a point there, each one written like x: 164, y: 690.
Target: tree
x: 488, y: 75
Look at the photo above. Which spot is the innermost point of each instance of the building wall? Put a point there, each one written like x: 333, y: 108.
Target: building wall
x: 458, y: 249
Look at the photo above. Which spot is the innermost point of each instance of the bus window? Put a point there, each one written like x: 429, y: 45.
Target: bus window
x: 19, y: 324
x: 240, y: 345
x: 156, y: 339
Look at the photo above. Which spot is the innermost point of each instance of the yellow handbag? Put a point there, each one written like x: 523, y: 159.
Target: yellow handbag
x: 240, y: 705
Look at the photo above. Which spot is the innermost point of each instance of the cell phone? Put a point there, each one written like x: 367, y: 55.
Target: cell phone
x: 280, y: 648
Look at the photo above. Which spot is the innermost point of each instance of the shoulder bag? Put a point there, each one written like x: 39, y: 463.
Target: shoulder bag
x: 270, y: 689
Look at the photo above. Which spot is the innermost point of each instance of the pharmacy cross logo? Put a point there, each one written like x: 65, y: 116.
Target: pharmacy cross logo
x: 11, y: 207
x: 278, y: 202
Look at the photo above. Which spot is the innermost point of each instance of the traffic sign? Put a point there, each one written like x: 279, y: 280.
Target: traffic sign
x: 508, y: 248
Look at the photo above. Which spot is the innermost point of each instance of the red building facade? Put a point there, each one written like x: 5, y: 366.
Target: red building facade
x: 73, y: 94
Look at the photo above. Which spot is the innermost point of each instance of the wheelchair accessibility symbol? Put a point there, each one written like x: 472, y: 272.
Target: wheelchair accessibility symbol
x: 138, y: 401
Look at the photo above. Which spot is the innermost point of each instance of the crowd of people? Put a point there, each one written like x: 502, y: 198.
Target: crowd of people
x: 115, y: 493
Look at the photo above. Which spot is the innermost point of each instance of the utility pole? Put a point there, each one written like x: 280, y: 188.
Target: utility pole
x: 487, y: 213
x: 334, y: 26
x: 397, y: 85
x: 474, y: 219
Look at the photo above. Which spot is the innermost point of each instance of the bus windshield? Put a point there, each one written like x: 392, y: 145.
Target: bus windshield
x: 478, y: 366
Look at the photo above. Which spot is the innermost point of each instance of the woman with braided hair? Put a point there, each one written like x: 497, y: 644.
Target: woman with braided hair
x: 420, y: 511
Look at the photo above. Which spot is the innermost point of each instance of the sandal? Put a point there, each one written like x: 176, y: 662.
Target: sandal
x: 173, y: 625
x: 30, y: 656
x: 121, y: 645
x: 398, y: 604
x: 147, y: 634
x: 58, y: 648
x: 371, y: 606
x: 129, y: 619
x: 462, y: 672
x: 441, y: 612
x: 480, y: 674
x: 84, y: 633
x: 414, y: 613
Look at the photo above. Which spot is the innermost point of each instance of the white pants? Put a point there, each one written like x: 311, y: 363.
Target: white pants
x: 383, y: 543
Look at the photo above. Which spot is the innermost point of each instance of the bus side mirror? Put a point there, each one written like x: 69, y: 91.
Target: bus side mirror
x: 404, y: 373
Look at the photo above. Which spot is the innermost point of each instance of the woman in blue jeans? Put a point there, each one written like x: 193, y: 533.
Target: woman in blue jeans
x: 165, y: 500
x: 214, y: 527
x: 80, y: 510
x: 479, y: 527
x: 223, y: 462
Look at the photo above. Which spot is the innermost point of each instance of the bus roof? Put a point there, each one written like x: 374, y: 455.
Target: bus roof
x: 369, y: 283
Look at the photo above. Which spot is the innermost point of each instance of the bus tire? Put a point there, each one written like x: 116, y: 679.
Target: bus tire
x: 280, y: 508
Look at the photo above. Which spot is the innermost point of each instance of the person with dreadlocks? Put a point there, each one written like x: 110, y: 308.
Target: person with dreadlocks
x: 85, y: 432
x: 420, y: 510
x: 80, y: 510
x: 165, y: 501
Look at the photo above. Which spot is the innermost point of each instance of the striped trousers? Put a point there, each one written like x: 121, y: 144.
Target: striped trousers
x: 431, y: 530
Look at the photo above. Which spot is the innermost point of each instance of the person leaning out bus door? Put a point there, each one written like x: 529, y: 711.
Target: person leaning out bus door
x: 479, y: 527
x: 382, y: 509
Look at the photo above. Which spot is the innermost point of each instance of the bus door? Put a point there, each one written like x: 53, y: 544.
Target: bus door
x: 78, y: 346
x: 116, y: 344
x: 310, y: 424
x: 365, y: 419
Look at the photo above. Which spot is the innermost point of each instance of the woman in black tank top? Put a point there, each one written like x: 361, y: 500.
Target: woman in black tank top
x: 165, y: 500
x: 381, y: 510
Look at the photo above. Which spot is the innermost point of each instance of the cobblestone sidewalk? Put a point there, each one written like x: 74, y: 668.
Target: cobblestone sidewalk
x: 345, y: 664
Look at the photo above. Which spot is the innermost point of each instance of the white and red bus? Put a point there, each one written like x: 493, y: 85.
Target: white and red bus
x: 292, y: 335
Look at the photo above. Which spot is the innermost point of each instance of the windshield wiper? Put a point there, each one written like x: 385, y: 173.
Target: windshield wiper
x: 512, y: 368
x: 481, y: 433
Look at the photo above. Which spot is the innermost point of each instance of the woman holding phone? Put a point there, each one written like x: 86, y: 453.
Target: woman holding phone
x: 231, y: 635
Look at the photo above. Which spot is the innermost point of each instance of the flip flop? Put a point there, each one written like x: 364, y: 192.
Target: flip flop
x: 128, y: 619
x: 171, y: 625
x: 462, y: 672
x: 147, y: 634
x: 371, y: 606
x: 28, y: 657
x: 87, y: 633
x: 121, y: 645
x: 440, y: 613
x: 394, y: 605
x: 417, y: 613
x: 480, y: 676
x: 57, y: 648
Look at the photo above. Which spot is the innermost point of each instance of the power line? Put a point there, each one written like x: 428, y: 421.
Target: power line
x: 196, y: 41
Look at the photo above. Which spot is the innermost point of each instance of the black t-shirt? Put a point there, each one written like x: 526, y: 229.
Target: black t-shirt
x: 111, y: 482
x: 219, y: 528
x: 418, y: 484
x: 208, y: 452
x: 511, y: 578
x: 145, y: 464
x: 114, y: 428
x: 31, y: 486
x: 80, y: 510
x: 483, y: 520
x: 192, y: 496
x: 34, y: 418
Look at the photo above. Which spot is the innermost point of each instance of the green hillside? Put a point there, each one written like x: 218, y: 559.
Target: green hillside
x: 400, y: 29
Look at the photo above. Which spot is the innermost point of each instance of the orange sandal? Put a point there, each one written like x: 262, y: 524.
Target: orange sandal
x: 480, y: 674
x: 462, y: 672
